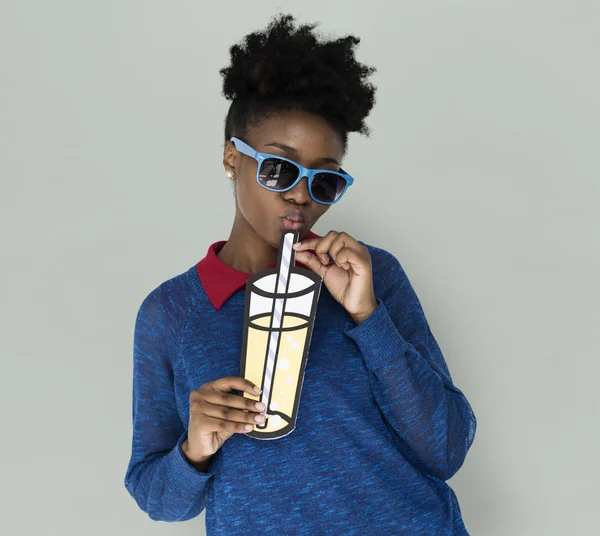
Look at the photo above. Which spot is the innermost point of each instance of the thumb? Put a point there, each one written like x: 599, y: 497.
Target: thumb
x: 312, y: 262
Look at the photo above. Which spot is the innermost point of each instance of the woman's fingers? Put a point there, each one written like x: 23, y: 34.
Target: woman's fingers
x: 229, y: 383
x: 228, y: 413
x: 312, y: 262
x: 215, y: 424
x: 319, y: 245
x: 232, y: 400
x: 215, y: 408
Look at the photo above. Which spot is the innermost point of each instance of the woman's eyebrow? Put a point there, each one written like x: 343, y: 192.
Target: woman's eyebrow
x: 323, y: 159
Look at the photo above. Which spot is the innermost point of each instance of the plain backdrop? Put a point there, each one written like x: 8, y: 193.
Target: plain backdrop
x: 480, y: 175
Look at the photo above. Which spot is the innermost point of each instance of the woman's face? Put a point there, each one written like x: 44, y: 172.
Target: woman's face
x: 300, y: 136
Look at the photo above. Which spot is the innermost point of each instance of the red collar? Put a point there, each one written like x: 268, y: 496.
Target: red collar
x: 220, y: 280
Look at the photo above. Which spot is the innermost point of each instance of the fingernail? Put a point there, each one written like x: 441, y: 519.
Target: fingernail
x: 296, y: 245
x: 257, y: 390
x: 260, y: 406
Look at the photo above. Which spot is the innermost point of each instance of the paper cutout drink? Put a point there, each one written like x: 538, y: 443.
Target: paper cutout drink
x: 280, y: 311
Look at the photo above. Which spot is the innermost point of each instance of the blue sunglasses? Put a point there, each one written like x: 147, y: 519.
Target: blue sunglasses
x: 280, y: 174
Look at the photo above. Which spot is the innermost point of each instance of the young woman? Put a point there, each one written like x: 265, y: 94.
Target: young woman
x: 380, y: 426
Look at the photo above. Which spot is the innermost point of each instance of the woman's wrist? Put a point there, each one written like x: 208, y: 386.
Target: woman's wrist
x: 359, y: 318
x: 198, y: 462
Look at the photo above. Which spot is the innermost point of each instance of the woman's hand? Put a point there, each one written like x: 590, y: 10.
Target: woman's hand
x: 216, y: 414
x: 349, y: 278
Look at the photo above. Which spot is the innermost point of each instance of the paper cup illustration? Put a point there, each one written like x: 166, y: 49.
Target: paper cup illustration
x: 280, y: 311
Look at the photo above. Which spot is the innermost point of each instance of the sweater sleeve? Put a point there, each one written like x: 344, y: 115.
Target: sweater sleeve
x: 430, y: 418
x: 159, y: 477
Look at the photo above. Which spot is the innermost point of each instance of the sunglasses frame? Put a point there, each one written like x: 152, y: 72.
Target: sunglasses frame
x: 244, y: 148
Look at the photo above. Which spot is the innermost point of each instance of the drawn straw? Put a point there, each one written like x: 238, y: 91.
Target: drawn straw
x: 283, y: 272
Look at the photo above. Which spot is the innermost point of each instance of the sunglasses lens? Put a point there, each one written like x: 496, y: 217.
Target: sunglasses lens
x: 277, y: 174
x: 327, y: 187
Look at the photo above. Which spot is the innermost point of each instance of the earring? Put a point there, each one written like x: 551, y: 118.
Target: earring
x: 230, y: 174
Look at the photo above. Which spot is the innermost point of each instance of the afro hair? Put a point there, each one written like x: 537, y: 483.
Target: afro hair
x: 287, y: 68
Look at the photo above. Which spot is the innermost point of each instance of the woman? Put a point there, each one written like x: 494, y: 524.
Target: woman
x: 380, y: 426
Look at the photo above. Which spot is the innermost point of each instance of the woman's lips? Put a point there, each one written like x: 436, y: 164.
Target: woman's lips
x: 289, y: 225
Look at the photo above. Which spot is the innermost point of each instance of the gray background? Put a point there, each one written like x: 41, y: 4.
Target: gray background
x: 481, y: 176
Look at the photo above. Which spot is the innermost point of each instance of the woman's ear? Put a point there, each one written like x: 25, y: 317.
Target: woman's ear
x: 229, y: 159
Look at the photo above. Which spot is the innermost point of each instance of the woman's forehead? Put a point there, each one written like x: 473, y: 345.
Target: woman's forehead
x: 299, y: 133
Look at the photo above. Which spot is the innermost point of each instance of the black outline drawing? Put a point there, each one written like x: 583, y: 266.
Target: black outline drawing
x: 317, y: 281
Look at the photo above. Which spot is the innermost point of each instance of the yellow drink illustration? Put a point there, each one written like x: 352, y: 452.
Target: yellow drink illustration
x: 287, y: 381
x: 280, y: 311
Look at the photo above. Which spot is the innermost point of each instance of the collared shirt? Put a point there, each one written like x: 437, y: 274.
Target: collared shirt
x: 220, y: 280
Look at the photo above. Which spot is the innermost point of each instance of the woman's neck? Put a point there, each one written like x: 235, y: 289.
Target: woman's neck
x: 246, y: 251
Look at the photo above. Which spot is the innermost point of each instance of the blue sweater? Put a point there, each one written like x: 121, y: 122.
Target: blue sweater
x: 379, y: 430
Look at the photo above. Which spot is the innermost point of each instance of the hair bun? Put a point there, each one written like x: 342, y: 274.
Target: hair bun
x: 291, y: 67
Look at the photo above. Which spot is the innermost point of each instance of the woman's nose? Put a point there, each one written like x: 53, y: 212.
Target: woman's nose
x: 298, y: 193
